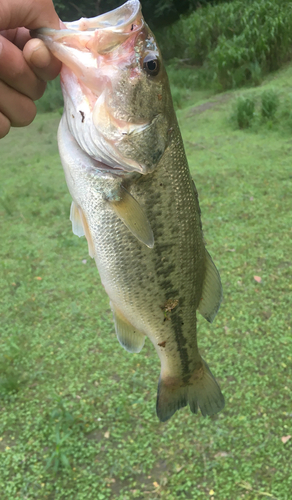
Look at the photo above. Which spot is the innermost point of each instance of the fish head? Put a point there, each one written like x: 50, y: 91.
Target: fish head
x: 113, y: 77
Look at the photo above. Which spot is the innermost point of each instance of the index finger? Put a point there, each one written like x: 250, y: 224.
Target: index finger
x: 29, y: 13
x: 18, y: 36
x: 16, y: 73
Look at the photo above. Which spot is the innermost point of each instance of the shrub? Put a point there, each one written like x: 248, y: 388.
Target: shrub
x: 236, y: 41
x: 270, y: 103
x: 285, y: 112
x: 184, y: 77
x: 244, y: 111
x: 52, y: 100
x: 177, y: 97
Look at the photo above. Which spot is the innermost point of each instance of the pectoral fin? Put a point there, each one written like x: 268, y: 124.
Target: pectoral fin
x: 131, y: 213
x: 212, y: 291
x: 80, y: 226
x: 130, y: 338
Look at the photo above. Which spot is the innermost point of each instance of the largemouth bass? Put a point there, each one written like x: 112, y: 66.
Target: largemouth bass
x: 134, y: 198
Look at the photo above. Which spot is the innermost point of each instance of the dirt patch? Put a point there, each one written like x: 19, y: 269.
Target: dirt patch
x: 151, y: 485
x: 221, y: 99
x: 96, y: 435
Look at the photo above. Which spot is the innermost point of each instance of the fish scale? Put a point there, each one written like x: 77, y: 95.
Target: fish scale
x: 141, y: 217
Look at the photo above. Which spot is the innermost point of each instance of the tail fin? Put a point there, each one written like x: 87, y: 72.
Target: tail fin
x: 201, y: 391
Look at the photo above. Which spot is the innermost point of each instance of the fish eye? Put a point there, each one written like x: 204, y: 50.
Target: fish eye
x: 151, y: 65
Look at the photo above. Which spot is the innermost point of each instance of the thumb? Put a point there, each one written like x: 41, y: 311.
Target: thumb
x: 41, y: 60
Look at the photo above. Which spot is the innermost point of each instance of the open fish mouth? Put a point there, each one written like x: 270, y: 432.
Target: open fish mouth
x: 102, y: 33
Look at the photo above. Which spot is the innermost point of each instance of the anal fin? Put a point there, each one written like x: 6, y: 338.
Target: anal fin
x: 212, y: 291
x: 130, y: 339
x: 133, y: 216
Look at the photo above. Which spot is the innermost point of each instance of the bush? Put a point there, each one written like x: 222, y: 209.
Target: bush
x: 244, y: 111
x: 270, y: 103
x: 285, y: 112
x: 52, y: 100
x: 269, y: 109
x: 236, y: 41
x: 186, y: 78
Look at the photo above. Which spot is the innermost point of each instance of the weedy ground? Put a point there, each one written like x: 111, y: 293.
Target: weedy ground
x: 77, y: 412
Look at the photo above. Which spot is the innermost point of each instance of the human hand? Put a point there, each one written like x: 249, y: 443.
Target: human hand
x: 25, y: 64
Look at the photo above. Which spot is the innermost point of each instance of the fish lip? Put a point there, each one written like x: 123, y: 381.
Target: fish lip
x: 115, y: 20
x: 113, y: 28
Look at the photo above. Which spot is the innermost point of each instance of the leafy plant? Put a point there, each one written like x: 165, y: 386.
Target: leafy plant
x: 59, y: 457
x: 10, y: 366
x: 177, y: 97
x: 62, y: 420
x: 244, y: 111
x: 236, y: 41
x: 52, y: 100
x: 285, y: 111
x: 270, y: 102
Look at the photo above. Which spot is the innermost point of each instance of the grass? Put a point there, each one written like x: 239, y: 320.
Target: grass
x: 77, y: 412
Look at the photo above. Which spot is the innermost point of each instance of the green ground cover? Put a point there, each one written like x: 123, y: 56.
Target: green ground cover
x: 77, y: 412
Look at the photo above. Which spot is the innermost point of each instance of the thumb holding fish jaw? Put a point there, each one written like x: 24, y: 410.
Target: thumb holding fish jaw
x: 25, y: 63
x: 42, y: 62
